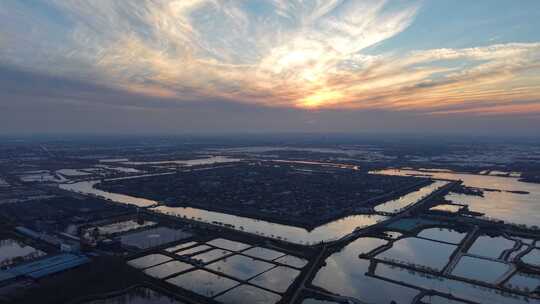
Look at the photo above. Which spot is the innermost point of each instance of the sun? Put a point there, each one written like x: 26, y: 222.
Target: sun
x: 320, y: 99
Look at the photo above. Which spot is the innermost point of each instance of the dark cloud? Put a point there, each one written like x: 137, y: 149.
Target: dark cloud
x: 34, y: 103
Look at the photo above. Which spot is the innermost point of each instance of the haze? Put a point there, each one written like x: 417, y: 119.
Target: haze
x: 270, y: 66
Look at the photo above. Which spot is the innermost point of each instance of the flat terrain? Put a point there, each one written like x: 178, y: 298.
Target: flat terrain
x: 283, y: 193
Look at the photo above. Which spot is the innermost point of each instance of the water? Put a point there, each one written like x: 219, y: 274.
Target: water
x: 480, y: 269
x: 292, y: 261
x: 532, y: 258
x: 345, y: 274
x: 123, y: 227
x: 324, y: 233
x: 191, y: 162
x: 138, y: 296
x: 491, y: 247
x: 447, y: 208
x: 328, y: 232
x: 316, y: 301
x: 203, y: 282
x: 442, y: 234
x: 212, y: 255
x: 399, y: 204
x: 12, y: 251
x: 181, y: 246
x: 167, y: 269
x: 149, y: 260
x: 421, y: 252
x: 193, y: 250
x: 458, y: 289
x: 278, y: 279
x: 153, y: 237
x: 409, y: 224
x: 228, y: 244
x: 248, y: 294
x: 72, y: 172
x: 523, y: 282
x: 439, y: 300
x: 87, y: 187
x: 263, y: 253
x: 240, y: 267
x: 510, y: 207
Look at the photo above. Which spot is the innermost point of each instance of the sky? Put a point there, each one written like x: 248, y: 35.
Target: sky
x: 177, y: 66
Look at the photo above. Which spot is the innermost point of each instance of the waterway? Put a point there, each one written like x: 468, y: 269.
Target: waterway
x: 511, y: 207
x: 328, y: 232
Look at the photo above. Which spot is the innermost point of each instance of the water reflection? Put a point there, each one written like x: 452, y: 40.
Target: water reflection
x: 240, y: 267
x: 491, y: 247
x: 442, y: 234
x: 87, y: 187
x: 420, y: 252
x: 532, y: 258
x: 278, y: 279
x: 462, y: 290
x: 203, y: 282
x: 328, y: 232
x: 508, y: 206
x: 345, y: 274
x: 138, y: 296
x: 248, y: 294
x: 399, y: 204
x: 480, y: 269
x: 524, y: 282
x: 189, y: 162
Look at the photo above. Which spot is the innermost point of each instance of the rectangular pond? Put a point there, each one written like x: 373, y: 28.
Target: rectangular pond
x: 523, y: 282
x: 420, y: 252
x: 248, y: 294
x: 148, y: 260
x: 292, y: 261
x: 212, y: 255
x: 532, y: 258
x: 491, y: 247
x: 153, y: 237
x: 228, y: 244
x: 180, y: 246
x: 240, y: 267
x: 193, y: 250
x: 203, y: 282
x: 263, y: 253
x: 277, y: 279
x: 482, y: 270
x: 459, y: 289
x: 138, y: 295
x: 167, y: 269
x: 442, y: 234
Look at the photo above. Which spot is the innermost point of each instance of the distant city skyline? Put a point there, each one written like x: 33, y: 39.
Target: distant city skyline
x: 470, y: 67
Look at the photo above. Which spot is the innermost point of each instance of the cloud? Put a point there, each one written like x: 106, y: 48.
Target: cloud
x: 275, y: 53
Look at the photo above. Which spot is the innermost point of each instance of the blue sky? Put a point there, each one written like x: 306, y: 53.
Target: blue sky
x: 328, y: 66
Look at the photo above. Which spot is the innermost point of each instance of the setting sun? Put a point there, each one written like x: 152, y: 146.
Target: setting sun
x: 320, y: 99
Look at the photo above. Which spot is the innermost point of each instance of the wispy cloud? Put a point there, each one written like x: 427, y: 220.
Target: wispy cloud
x: 276, y: 53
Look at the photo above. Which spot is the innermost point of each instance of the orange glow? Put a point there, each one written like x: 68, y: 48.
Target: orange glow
x: 320, y: 99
